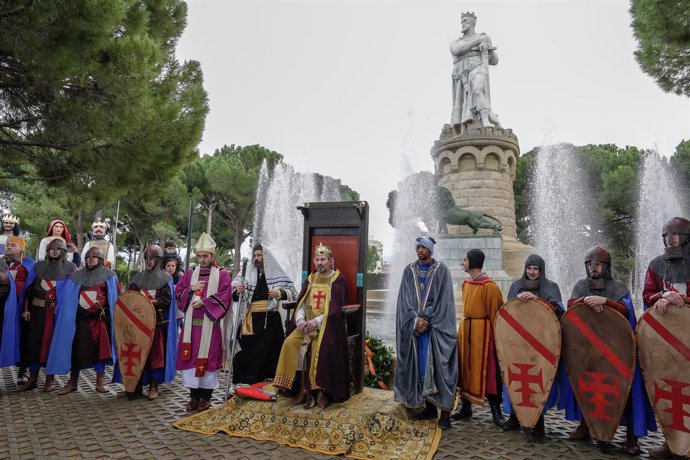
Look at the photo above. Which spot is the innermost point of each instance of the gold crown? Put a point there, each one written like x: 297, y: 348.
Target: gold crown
x: 98, y: 223
x: 322, y: 250
x: 10, y: 218
x: 469, y: 15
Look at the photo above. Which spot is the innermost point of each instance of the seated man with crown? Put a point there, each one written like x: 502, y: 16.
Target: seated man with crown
x: 319, y: 323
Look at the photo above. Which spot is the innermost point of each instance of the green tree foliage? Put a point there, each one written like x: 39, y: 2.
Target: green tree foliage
x: 612, y: 176
x: 523, y: 209
x: 613, y: 181
x: 662, y: 29
x: 348, y: 194
x: 372, y: 258
x: 93, y: 100
x: 153, y: 220
x: 225, y: 184
x: 680, y: 161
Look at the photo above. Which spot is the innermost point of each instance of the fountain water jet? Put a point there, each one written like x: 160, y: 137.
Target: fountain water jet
x: 657, y: 202
x: 563, y: 214
x: 277, y: 222
x: 415, y: 202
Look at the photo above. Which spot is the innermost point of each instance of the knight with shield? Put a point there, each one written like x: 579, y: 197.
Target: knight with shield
x: 528, y: 343
x: 600, y: 356
x: 156, y: 285
x: 661, y: 332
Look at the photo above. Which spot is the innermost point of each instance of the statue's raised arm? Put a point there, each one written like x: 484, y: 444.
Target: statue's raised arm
x: 472, y: 53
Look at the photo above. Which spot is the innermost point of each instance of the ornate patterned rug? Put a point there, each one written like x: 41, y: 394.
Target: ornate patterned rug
x: 369, y: 425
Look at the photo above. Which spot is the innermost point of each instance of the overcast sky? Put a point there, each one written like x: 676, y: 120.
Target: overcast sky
x: 360, y: 90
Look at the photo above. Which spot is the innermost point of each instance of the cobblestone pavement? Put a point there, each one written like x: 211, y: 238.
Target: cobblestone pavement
x: 86, y: 424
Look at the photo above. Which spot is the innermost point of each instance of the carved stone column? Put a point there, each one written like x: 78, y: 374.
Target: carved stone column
x: 478, y: 168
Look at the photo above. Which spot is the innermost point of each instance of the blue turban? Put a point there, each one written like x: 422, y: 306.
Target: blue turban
x: 426, y: 241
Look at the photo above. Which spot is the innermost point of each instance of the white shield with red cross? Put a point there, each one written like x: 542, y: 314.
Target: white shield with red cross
x: 664, y: 352
x: 528, y: 345
x: 135, y: 322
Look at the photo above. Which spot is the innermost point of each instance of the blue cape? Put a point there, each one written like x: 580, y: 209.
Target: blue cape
x: 170, y: 369
x: 642, y: 417
x: 9, y: 348
x: 67, y: 293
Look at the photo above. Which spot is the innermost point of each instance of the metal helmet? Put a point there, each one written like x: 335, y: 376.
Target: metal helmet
x: 598, y: 254
x: 678, y: 225
x: 153, y: 250
x: 95, y: 251
x: 57, y: 243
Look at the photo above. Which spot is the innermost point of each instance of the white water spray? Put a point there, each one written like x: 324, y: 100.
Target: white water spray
x: 277, y: 221
x: 657, y: 202
x: 563, y: 214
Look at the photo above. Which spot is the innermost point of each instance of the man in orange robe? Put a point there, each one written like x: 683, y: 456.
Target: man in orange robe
x: 479, y: 375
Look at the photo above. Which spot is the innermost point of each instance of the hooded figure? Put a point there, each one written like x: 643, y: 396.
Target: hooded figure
x: 426, y: 337
x: 261, y: 335
x: 540, y: 287
x: 83, y: 326
x: 157, y: 286
x: 533, y: 285
x: 667, y: 281
x: 599, y: 289
x: 43, y: 301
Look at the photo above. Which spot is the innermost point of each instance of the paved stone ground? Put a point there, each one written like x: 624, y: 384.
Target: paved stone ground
x: 86, y: 424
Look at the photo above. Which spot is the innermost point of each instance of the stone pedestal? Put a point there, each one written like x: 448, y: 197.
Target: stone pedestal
x: 478, y: 168
x: 451, y: 250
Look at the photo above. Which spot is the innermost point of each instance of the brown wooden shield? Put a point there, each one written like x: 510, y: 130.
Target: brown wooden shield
x: 599, y: 355
x: 135, y: 322
x: 664, y: 350
x: 528, y: 344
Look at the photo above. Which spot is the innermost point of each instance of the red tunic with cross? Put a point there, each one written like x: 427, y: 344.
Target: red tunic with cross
x: 92, y: 336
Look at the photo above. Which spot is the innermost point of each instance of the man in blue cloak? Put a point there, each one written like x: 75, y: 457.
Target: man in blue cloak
x: 426, y: 337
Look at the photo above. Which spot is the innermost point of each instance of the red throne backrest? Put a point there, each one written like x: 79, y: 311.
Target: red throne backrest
x: 345, y: 251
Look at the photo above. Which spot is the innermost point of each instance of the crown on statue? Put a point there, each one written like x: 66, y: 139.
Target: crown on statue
x: 98, y: 223
x: 322, y: 250
x: 10, y: 218
x: 469, y: 15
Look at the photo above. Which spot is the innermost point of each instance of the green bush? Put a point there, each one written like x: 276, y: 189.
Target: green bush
x: 384, y: 364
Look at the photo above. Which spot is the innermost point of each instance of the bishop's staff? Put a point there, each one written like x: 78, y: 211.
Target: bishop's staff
x: 239, y: 310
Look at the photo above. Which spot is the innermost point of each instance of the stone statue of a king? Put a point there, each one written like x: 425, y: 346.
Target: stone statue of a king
x: 472, y: 56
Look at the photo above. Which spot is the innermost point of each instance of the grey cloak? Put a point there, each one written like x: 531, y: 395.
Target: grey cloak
x: 438, y: 308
